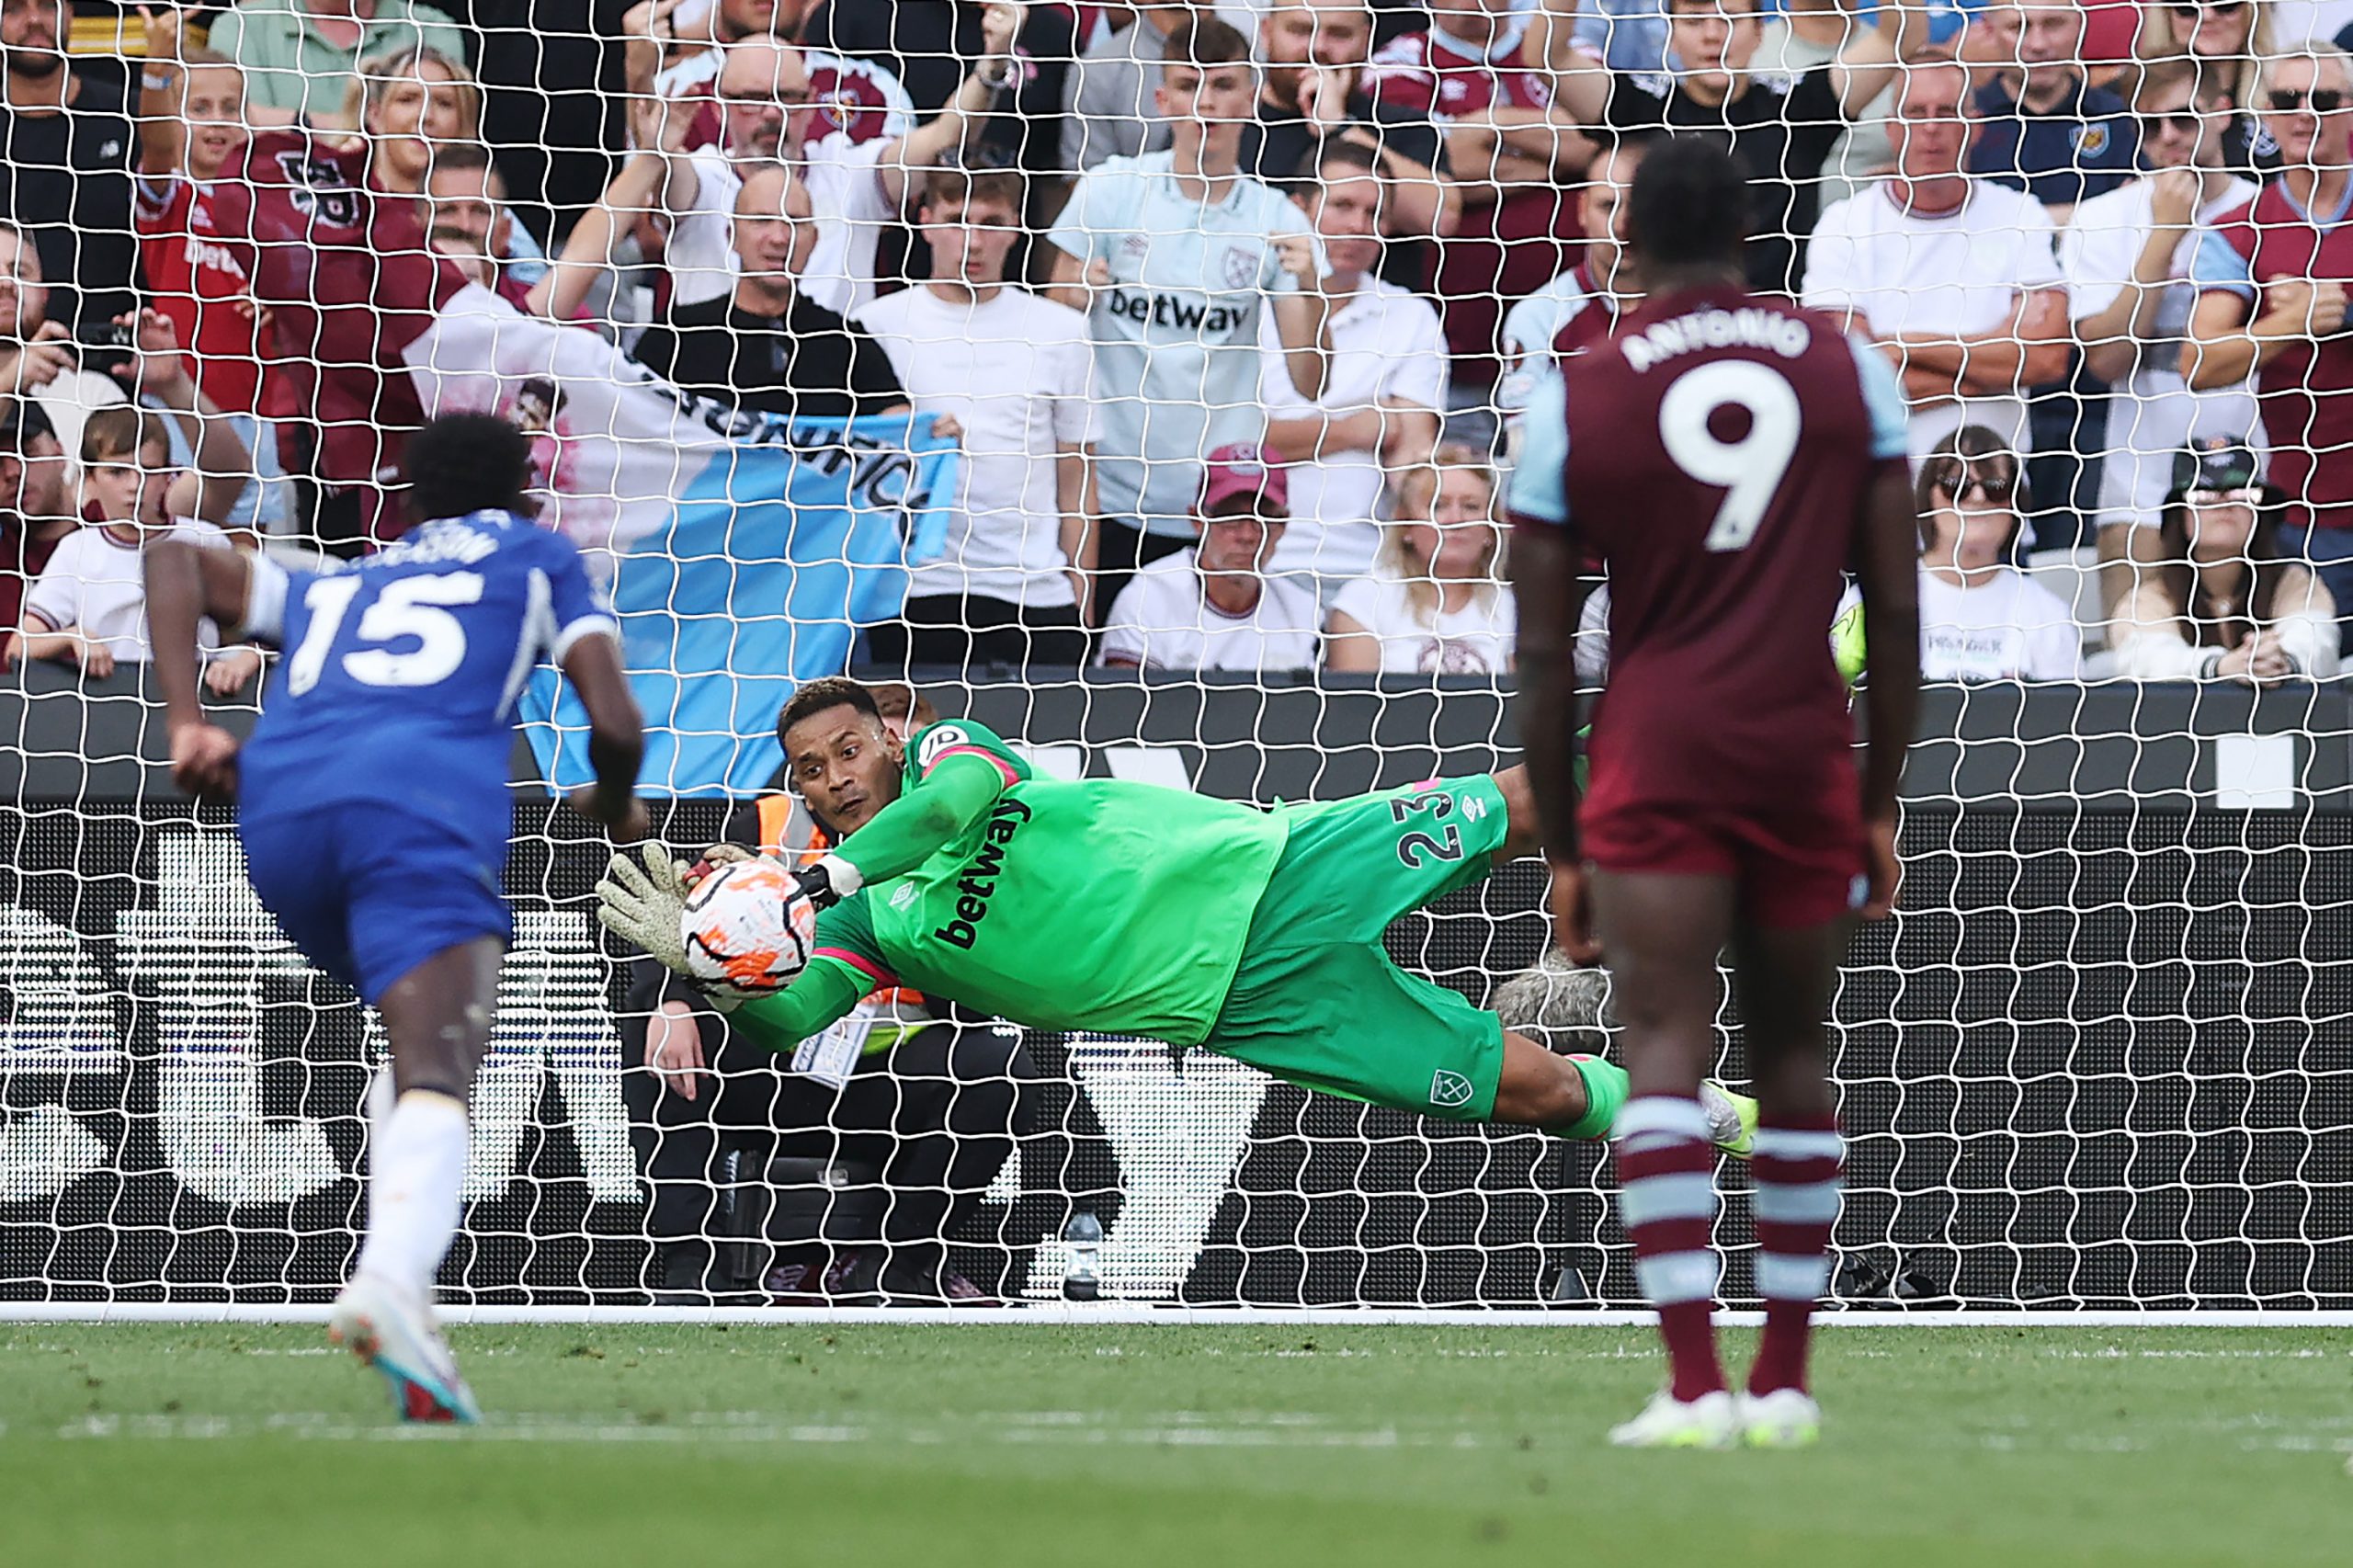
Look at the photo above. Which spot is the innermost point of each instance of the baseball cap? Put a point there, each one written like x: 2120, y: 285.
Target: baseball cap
x: 1240, y: 471
x: 2216, y: 463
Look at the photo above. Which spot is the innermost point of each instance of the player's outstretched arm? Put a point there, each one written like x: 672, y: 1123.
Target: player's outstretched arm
x: 185, y: 586
x: 1887, y: 560
x: 1551, y: 592
x: 616, y: 736
x: 955, y: 794
x: 820, y: 996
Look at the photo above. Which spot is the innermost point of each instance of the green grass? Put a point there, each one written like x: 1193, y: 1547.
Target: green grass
x: 862, y: 1446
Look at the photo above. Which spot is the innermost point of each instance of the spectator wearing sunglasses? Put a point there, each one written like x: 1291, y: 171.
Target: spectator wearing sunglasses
x: 2228, y: 603
x: 1981, y: 619
x: 2228, y: 40
x: 2271, y: 302
x: 2127, y: 257
x: 2053, y: 135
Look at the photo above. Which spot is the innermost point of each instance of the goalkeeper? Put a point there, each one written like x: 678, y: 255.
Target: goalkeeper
x: 1124, y: 908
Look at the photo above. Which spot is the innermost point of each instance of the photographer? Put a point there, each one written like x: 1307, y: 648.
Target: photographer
x: 930, y: 1101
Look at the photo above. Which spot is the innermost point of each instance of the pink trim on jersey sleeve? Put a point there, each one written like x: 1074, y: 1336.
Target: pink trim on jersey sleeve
x: 858, y: 961
x: 1011, y: 778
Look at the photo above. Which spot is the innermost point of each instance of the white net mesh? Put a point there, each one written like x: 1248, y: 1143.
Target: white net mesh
x: 1013, y: 351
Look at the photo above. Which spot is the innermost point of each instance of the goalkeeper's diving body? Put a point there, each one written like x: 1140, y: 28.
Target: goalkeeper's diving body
x: 1126, y: 908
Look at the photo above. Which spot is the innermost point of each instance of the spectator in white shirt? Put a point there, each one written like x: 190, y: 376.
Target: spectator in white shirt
x: 1952, y: 275
x: 766, y: 112
x: 1011, y: 368
x: 2127, y: 257
x: 1382, y: 391
x: 89, y: 605
x: 2226, y: 603
x: 1981, y: 619
x: 1212, y: 606
x: 1438, y: 605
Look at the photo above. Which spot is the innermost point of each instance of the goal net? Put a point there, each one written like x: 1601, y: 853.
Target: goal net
x: 1145, y: 386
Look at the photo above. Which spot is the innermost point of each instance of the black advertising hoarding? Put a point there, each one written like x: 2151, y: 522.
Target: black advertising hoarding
x: 2100, y: 1060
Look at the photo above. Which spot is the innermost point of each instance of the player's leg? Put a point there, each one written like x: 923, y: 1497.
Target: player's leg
x: 1662, y: 933
x: 1785, y: 977
x: 438, y: 1016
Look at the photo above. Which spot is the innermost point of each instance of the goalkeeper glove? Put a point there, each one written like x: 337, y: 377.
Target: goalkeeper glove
x: 643, y: 900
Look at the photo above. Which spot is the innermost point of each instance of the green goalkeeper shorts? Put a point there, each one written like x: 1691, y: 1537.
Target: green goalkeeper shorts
x: 1317, y: 1000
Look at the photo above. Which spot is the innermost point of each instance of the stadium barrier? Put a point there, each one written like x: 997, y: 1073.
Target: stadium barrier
x: 2101, y: 1063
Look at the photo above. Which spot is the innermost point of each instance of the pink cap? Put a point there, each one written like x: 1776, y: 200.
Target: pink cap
x: 1242, y: 470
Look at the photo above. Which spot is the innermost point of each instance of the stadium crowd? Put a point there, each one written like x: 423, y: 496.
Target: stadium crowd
x: 1233, y: 308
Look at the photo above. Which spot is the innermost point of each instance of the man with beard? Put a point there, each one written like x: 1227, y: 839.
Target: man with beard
x: 66, y: 153
x: 33, y: 511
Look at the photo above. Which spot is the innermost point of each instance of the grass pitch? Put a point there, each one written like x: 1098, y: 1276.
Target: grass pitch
x: 867, y: 1447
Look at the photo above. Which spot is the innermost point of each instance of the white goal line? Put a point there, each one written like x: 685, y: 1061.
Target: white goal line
x: 1054, y: 1314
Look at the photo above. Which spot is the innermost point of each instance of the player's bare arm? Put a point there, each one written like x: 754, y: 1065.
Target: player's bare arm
x: 1544, y: 571
x: 1887, y: 560
x: 185, y: 586
x: 616, y: 736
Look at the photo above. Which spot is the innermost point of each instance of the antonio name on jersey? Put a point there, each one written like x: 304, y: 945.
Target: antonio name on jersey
x: 1748, y: 327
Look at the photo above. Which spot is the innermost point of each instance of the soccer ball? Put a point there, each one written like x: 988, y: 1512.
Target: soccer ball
x: 748, y: 925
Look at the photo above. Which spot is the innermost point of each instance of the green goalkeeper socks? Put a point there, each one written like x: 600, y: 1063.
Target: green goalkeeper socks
x: 1605, y: 1088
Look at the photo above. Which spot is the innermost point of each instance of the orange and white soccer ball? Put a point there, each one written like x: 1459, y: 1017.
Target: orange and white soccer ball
x: 747, y: 925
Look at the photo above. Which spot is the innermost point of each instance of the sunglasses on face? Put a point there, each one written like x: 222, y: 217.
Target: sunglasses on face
x: 2324, y: 100
x: 2182, y: 119
x: 2212, y: 8
x: 1960, y: 481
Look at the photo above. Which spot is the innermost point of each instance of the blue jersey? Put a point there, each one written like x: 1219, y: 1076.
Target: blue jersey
x: 401, y: 674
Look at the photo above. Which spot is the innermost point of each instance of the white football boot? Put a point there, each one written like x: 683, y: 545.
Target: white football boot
x: 387, y: 1328
x: 1786, y: 1418
x: 1711, y: 1421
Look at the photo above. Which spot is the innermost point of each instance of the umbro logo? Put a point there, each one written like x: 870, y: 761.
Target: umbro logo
x: 904, y: 897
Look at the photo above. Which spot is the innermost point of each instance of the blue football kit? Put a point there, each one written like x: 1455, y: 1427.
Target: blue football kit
x: 373, y: 797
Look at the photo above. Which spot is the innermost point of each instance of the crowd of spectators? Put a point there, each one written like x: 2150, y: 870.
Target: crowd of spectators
x: 1233, y: 308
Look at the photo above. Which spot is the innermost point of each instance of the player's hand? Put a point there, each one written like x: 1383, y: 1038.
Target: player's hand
x: 715, y: 856
x: 674, y: 1049
x: 624, y: 823
x: 1886, y: 871
x: 1572, y: 915
x: 204, y: 761
x: 642, y: 899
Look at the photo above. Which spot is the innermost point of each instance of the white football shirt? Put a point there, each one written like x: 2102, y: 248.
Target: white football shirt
x: 1163, y: 621
x: 1013, y: 370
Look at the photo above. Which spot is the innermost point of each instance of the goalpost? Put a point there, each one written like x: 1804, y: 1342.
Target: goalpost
x: 2097, y: 1068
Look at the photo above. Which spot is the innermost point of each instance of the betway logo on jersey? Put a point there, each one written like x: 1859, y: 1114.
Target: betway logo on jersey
x: 1192, y: 315
x: 1748, y: 327
x: 978, y: 884
x: 207, y: 258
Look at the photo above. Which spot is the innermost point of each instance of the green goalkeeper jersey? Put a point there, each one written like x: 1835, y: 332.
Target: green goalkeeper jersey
x: 1099, y: 904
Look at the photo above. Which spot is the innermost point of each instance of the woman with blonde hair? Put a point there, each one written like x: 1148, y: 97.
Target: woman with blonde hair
x: 1436, y: 603
x: 2230, y: 40
x: 408, y: 103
